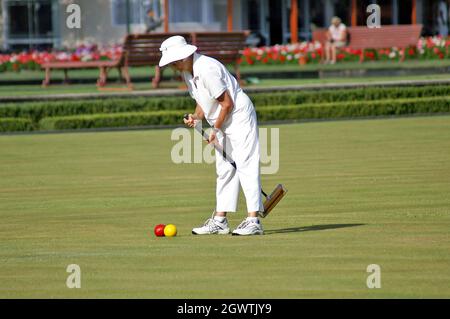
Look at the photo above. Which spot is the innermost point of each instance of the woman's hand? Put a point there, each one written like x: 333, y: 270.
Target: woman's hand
x: 190, y: 121
x: 212, y: 137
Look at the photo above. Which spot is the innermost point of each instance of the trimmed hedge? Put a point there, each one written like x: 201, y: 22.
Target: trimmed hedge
x: 38, y: 110
x: 111, y: 120
x: 359, y: 94
x: 15, y: 124
x: 265, y: 114
x: 355, y: 109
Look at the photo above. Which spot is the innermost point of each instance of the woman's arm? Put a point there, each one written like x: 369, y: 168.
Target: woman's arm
x: 227, y: 105
x: 198, y: 113
x: 344, y: 35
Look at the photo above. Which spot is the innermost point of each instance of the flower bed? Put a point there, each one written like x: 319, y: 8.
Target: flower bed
x: 431, y: 48
x: 33, y: 60
x: 309, y: 52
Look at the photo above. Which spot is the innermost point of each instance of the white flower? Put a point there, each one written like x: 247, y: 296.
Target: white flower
x: 86, y: 57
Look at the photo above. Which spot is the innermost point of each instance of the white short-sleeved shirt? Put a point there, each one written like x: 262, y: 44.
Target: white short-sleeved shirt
x: 337, y: 32
x: 209, y: 81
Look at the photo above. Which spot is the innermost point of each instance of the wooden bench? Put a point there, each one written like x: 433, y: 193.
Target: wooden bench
x: 223, y: 46
x: 66, y: 66
x: 143, y: 50
x: 137, y: 50
x: 389, y: 36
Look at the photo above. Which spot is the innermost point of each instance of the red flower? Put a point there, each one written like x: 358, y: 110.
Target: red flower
x: 370, y: 55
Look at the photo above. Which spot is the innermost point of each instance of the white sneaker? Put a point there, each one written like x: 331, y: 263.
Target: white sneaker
x: 212, y: 226
x: 248, y: 228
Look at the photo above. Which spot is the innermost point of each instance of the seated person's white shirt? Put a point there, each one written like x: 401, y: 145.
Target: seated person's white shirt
x: 337, y: 32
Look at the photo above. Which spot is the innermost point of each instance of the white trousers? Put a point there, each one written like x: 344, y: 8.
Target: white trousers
x: 241, y: 142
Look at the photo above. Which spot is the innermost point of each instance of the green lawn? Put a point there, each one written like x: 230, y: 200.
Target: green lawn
x: 30, y: 90
x: 245, y: 69
x: 252, y: 71
x: 360, y: 192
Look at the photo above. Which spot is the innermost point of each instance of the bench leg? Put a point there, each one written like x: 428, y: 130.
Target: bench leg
x: 119, y: 70
x: 102, y: 76
x: 66, y: 77
x: 126, y: 75
x: 46, y: 81
x: 157, y: 79
x: 402, y: 58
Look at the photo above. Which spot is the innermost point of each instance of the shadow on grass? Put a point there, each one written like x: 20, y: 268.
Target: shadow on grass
x: 309, y: 228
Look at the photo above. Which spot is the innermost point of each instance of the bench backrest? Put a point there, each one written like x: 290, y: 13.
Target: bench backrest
x: 143, y: 49
x: 388, y: 36
x: 224, y: 46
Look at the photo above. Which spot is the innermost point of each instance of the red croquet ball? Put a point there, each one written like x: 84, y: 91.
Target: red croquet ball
x: 159, y: 230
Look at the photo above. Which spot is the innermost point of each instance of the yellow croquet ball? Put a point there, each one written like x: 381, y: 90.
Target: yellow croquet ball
x: 170, y: 230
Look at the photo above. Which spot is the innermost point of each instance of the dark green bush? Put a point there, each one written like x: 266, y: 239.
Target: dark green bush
x: 359, y: 94
x: 111, y: 120
x: 268, y: 113
x: 38, y: 110
x: 15, y: 124
x: 354, y: 109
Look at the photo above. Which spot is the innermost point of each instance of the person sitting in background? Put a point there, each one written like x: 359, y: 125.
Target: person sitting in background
x: 336, y: 38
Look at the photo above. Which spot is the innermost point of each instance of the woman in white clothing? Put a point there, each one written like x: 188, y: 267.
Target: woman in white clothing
x: 336, y: 38
x: 221, y: 101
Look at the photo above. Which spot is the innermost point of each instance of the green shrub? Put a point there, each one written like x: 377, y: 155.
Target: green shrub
x: 354, y: 109
x: 359, y: 94
x: 38, y: 110
x: 111, y: 120
x: 15, y: 124
x: 346, y: 109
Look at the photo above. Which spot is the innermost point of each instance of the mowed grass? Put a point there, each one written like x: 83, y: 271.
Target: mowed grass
x: 61, y: 89
x: 360, y: 192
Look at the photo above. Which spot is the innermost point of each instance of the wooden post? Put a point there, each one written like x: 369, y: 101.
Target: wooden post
x: 414, y: 12
x: 166, y: 16
x: 230, y: 15
x: 294, y: 21
x: 354, y: 14
x: 127, y: 15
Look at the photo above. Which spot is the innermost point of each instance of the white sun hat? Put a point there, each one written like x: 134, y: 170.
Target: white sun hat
x: 174, y: 49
